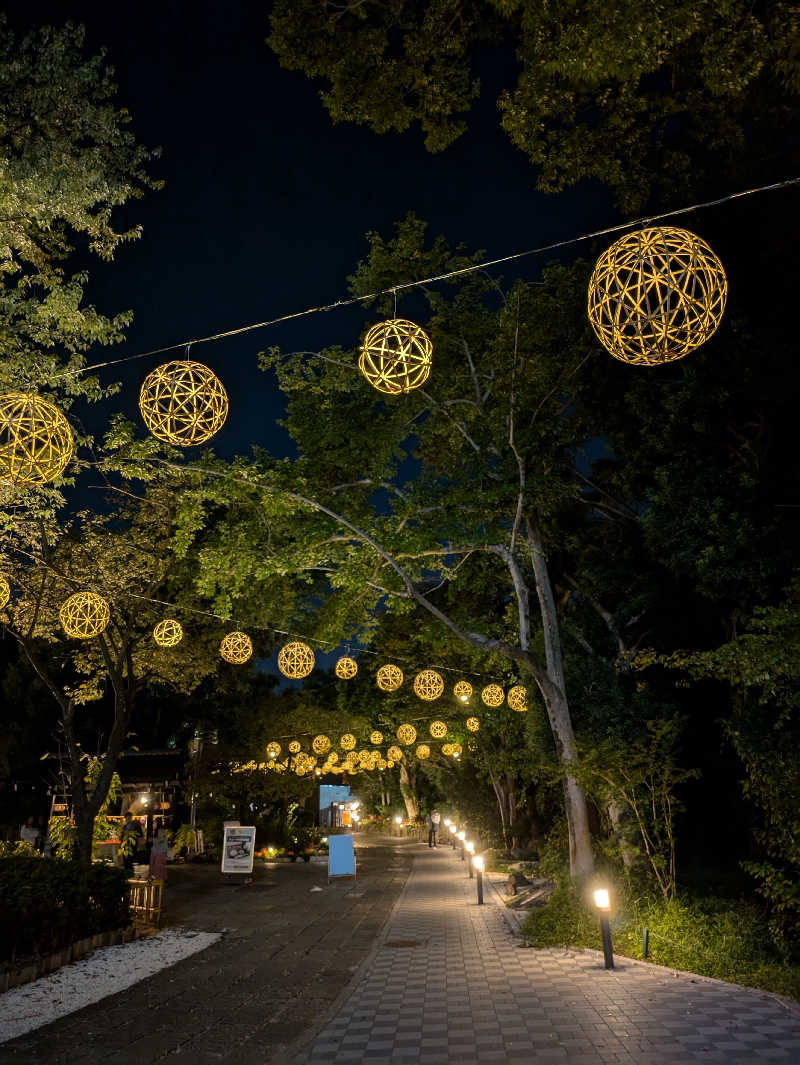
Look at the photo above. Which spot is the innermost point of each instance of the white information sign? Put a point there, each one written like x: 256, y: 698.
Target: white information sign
x: 238, y: 846
x: 341, y: 856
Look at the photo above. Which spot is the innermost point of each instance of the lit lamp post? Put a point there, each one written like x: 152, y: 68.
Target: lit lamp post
x: 602, y: 903
x: 452, y: 835
x: 398, y: 821
x: 470, y: 852
x: 462, y: 836
x: 477, y: 861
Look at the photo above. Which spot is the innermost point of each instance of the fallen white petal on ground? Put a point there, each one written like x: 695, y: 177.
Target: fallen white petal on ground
x: 105, y: 972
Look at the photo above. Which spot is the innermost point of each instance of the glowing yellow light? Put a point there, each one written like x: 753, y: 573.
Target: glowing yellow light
x: 428, y: 685
x: 493, y: 695
x: 273, y: 750
x: 517, y: 698
x: 294, y: 746
x: 462, y: 835
x: 183, y: 403
x: 236, y: 647
x: 347, y: 742
x: 655, y: 295
x: 438, y: 729
x: 35, y: 439
x: 457, y: 750
x: 295, y: 659
x: 423, y: 751
x: 477, y: 862
x: 376, y: 737
x: 406, y: 734
x: 398, y: 820
x: 470, y: 846
x: 84, y: 615
x: 394, y: 753
x: 346, y: 668
x: 5, y: 592
x: 389, y: 678
x: 601, y: 899
x: 463, y: 690
x: 452, y: 828
x: 447, y: 748
x: 396, y: 356
x: 320, y: 744
x: 168, y: 633
x: 473, y: 724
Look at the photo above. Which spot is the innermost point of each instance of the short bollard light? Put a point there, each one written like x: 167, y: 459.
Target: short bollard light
x: 452, y: 835
x: 601, y: 901
x: 447, y: 822
x: 461, y: 837
x: 477, y: 862
x: 398, y: 820
x: 470, y: 852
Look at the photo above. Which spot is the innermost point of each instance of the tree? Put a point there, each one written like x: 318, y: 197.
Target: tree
x: 635, y: 95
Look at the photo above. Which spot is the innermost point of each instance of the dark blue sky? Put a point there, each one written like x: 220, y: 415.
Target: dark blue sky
x: 267, y: 202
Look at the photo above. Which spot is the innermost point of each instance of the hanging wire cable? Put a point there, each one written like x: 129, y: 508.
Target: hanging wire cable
x: 394, y: 289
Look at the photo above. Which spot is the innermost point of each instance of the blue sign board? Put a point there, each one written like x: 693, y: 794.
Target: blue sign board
x: 341, y: 856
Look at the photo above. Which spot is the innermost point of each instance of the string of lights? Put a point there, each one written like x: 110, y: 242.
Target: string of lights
x: 402, y: 286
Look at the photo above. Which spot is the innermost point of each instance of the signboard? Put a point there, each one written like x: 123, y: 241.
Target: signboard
x: 341, y: 856
x: 238, y: 847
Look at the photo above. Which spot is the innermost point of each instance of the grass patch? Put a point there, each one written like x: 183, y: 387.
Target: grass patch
x: 723, y: 938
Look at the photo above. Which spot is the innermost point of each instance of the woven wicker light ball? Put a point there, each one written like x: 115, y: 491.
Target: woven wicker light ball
x: 389, y: 678
x: 493, y: 695
x: 5, y: 592
x: 346, y: 668
x: 438, y: 729
x: 376, y: 737
x: 320, y: 744
x: 273, y: 750
x: 35, y: 439
x: 236, y: 647
x: 394, y: 753
x: 447, y: 748
x: 428, y: 685
x: 390, y: 763
x: 295, y: 659
x: 655, y: 295
x: 396, y: 356
x: 518, y: 698
x: 84, y: 615
x: 183, y: 403
x: 351, y: 757
x: 406, y: 734
x: 168, y: 633
x: 473, y: 724
x: 347, y: 742
x: 300, y: 770
x: 457, y: 750
x: 294, y: 746
x: 333, y: 757
x: 423, y: 751
x: 463, y: 690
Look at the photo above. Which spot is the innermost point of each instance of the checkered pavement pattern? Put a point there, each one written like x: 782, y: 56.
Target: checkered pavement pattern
x: 451, y: 984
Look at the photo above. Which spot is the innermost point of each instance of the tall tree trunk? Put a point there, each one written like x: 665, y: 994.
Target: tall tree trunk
x: 616, y: 816
x: 408, y: 789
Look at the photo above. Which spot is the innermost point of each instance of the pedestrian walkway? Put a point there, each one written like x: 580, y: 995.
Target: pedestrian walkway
x: 450, y: 984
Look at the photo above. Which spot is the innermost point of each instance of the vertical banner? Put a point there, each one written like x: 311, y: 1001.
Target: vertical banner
x: 238, y: 848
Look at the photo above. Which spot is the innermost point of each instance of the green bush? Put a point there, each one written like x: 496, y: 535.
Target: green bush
x: 45, y: 904
x: 727, y: 939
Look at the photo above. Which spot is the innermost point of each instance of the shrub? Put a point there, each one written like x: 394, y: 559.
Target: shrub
x: 45, y: 905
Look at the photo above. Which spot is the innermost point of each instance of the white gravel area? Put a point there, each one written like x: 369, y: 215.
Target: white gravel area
x: 105, y: 972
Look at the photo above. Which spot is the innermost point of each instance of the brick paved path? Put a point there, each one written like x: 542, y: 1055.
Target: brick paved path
x: 451, y: 984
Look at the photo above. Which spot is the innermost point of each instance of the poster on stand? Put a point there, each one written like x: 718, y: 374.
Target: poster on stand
x: 238, y: 848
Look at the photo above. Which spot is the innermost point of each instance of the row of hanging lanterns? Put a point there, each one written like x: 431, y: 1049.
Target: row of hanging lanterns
x: 654, y: 296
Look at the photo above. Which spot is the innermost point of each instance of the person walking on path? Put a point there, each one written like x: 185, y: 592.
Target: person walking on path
x: 434, y: 819
x: 28, y: 832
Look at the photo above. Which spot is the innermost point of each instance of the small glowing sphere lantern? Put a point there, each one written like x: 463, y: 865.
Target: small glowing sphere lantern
x: 320, y: 744
x: 438, y: 729
x: 396, y: 356
x: 5, y: 592
x: 406, y: 734
x: 473, y: 724
x: 389, y: 678
x: 236, y: 647
x: 423, y: 751
x: 456, y: 750
x: 35, y: 439
x: 84, y: 615
x: 518, y: 698
x: 656, y: 295
x: 295, y: 660
x: 376, y: 737
x: 463, y: 690
x: 447, y: 748
x: 346, y: 668
x: 493, y: 695
x: 428, y: 685
x: 183, y: 403
x: 351, y: 757
x: 294, y: 746
x: 273, y: 751
x: 168, y: 633
x: 394, y: 753
x: 347, y: 742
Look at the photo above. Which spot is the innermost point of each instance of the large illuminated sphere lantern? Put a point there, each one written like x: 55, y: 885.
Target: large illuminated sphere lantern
x: 656, y: 295
x: 168, y: 633
x: 347, y: 742
x: 428, y: 685
x: 296, y: 660
x: 438, y: 729
x: 35, y: 439
x: 84, y: 615
x: 5, y: 592
x: 493, y: 695
x: 183, y: 403
x: 406, y: 734
x: 396, y: 356
x: 389, y: 678
x: 236, y: 648
x: 394, y: 753
x: 517, y: 698
x: 346, y: 668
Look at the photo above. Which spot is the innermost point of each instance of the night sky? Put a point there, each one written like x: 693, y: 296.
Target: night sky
x: 267, y: 202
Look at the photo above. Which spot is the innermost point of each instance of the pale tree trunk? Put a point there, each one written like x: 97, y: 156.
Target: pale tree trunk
x: 616, y: 816
x: 408, y: 789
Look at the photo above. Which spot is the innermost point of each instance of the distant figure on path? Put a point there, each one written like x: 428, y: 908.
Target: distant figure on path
x: 434, y: 819
x: 29, y: 833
